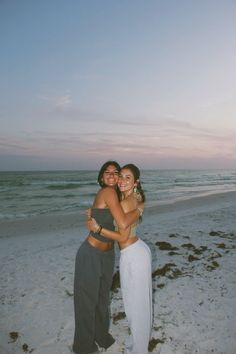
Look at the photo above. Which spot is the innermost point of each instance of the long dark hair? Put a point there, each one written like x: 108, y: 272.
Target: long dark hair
x: 103, y: 169
x: 136, y: 173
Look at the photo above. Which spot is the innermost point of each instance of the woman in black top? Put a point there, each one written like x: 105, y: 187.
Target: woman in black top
x: 95, y: 264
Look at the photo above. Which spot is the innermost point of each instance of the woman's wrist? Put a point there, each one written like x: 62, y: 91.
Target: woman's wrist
x: 98, y: 228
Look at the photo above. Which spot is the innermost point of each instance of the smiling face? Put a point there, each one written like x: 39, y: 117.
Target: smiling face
x: 126, y: 182
x: 110, y: 176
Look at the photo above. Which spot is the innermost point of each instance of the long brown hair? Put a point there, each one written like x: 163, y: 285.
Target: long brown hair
x: 103, y: 169
x: 136, y: 173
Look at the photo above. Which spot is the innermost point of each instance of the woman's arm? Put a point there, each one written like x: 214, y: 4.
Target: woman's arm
x: 120, y: 235
x: 122, y: 219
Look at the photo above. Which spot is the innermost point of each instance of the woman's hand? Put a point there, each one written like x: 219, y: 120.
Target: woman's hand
x: 88, y: 213
x: 92, y: 225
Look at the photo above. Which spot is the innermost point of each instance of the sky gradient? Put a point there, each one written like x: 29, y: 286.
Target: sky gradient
x: 150, y: 82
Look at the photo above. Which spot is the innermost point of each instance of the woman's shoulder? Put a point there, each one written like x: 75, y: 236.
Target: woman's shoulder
x: 107, y: 190
x: 104, y: 195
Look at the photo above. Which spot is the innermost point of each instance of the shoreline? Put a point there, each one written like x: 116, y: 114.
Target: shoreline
x: 194, y: 202
x: 65, y: 221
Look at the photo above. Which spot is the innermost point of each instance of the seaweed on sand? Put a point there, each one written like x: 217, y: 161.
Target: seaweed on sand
x: 115, y: 281
x: 166, y: 246
x: 14, y: 336
x: 118, y: 316
x: 153, y: 343
x: 168, y: 270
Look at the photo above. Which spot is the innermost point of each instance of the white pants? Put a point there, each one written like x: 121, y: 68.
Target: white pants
x: 136, y: 287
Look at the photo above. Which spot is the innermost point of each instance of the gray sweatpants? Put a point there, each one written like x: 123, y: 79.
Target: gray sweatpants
x: 92, y: 283
x: 136, y: 287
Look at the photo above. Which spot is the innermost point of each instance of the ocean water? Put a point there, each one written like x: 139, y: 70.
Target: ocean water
x: 26, y: 194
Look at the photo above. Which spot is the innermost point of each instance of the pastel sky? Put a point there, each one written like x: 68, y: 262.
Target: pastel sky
x: 146, y: 81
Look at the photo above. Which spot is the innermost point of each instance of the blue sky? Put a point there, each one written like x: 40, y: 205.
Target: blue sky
x: 149, y: 82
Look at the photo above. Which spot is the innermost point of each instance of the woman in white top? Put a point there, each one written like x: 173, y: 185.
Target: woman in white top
x: 94, y: 266
x: 135, y: 264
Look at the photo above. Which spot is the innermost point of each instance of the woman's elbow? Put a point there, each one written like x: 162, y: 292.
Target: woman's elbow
x: 123, y: 225
x: 123, y: 238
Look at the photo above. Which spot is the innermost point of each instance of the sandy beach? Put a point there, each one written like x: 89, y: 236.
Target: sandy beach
x: 194, y: 280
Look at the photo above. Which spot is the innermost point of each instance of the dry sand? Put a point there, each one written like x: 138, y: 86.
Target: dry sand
x: 194, y: 280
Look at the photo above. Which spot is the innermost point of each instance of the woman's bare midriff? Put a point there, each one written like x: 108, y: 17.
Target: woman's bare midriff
x: 129, y: 242
x: 102, y: 246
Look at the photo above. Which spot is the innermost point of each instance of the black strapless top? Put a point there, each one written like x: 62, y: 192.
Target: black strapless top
x: 104, y: 218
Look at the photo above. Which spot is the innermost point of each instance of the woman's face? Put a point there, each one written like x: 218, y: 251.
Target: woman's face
x: 126, y: 181
x: 110, y: 176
